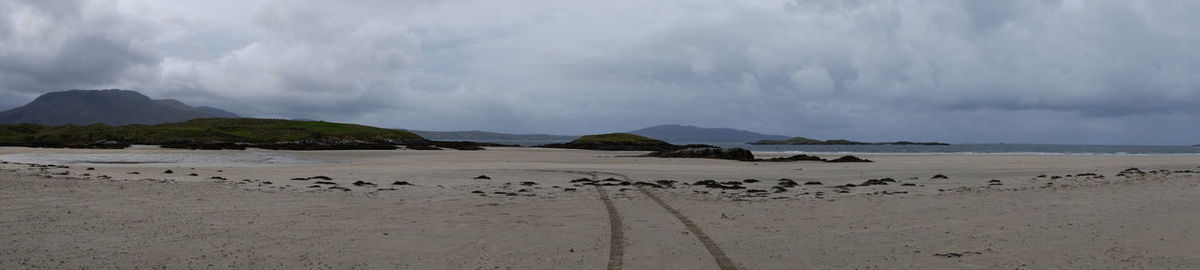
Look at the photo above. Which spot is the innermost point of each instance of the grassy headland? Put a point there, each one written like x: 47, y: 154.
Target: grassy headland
x: 615, y: 138
x: 212, y: 133
x: 620, y: 142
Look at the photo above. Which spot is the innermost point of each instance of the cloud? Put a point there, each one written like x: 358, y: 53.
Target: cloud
x: 306, y: 63
x: 57, y: 45
x: 1032, y: 70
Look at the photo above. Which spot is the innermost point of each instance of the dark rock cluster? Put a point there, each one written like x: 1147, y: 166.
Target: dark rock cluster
x: 849, y: 159
x: 707, y: 152
x: 657, y: 184
x: 803, y: 157
x: 362, y: 183
x: 741, y: 154
x: 1131, y: 172
x: 719, y: 185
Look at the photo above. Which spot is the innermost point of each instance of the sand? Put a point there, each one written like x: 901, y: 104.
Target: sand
x: 252, y: 215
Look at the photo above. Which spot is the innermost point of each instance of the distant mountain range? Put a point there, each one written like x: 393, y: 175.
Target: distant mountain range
x: 219, y: 113
x: 679, y: 134
x: 808, y: 141
x: 682, y: 134
x: 111, y: 107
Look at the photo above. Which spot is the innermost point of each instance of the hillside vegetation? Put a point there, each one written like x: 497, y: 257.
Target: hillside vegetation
x: 621, y: 142
x: 614, y: 138
x: 489, y: 136
x: 211, y: 133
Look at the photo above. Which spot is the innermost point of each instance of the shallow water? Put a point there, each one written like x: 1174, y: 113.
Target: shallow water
x: 1025, y: 149
x: 206, y: 158
x: 1033, y: 149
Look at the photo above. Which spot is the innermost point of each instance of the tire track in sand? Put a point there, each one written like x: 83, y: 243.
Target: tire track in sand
x: 723, y: 261
x: 616, y: 239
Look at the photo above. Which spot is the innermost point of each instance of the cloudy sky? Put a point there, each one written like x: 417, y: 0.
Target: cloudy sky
x: 1032, y: 71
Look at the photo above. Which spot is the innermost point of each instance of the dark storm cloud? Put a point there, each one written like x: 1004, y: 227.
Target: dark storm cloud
x: 979, y: 71
x: 60, y: 46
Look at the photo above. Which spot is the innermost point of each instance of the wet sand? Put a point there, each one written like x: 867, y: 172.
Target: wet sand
x: 530, y: 215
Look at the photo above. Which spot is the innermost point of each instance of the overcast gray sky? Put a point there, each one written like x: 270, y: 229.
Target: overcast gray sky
x: 1032, y: 71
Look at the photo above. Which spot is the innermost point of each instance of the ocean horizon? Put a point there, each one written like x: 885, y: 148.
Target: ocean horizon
x: 966, y: 148
x: 1031, y: 149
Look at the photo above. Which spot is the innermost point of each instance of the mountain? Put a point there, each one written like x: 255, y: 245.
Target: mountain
x: 218, y: 112
x: 476, y: 135
x: 173, y: 104
x: 111, y: 107
x: 692, y: 134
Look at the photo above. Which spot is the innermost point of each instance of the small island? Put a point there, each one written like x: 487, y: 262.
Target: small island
x: 620, y: 142
x: 808, y: 141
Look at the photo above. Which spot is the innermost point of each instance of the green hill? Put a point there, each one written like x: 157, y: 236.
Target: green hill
x: 212, y: 133
x: 615, y: 138
x: 620, y: 142
x: 488, y: 136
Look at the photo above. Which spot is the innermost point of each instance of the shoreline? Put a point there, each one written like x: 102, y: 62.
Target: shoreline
x: 973, y: 153
x: 431, y: 210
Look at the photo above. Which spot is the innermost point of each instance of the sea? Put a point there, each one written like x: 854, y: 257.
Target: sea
x: 997, y: 148
x: 1029, y: 149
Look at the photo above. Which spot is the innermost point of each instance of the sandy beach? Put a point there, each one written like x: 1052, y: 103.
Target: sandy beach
x: 263, y: 209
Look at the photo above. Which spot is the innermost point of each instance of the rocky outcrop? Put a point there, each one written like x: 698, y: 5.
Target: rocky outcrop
x: 741, y: 154
x: 707, y: 152
x: 849, y: 159
x: 621, y: 142
x: 801, y: 157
